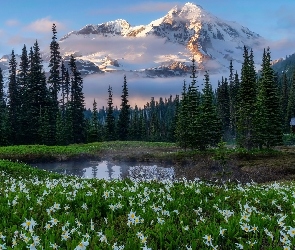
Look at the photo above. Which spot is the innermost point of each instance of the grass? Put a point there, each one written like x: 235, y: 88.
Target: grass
x: 127, y: 150
x: 42, y: 210
x: 75, y: 213
x: 29, y: 153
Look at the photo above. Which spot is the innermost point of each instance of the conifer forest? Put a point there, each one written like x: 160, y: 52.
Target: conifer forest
x: 249, y: 109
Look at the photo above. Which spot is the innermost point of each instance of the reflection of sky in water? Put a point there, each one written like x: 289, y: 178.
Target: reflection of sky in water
x: 107, y: 170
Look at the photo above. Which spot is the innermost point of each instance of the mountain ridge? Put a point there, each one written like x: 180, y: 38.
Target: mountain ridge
x: 162, y: 48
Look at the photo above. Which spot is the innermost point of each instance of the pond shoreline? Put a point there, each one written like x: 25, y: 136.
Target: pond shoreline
x: 241, y: 167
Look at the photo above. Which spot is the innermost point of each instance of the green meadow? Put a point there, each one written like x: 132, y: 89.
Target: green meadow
x: 43, y: 210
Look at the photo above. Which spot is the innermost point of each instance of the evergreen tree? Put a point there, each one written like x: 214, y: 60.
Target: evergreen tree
x: 210, y: 123
x: 14, y: 102
x: 182, y: 124
x: 3, y: 114
x: 269, y: 125
x: 65, y: 87
x: 124, y: 116
x: 284, y: 103
x: 223, y: 103
x: 54, y: 85
x: 153, y: 121
x: 68, y: 125
x: 61, y: 132
x: 54, y: 65
x: 195, y: 136
x: 172, y: 119
x: 235, y: 96
x: 37, y: 92
x: 142, y: 124
x: 246, y: 102
x: 110, y: 120
x: 233, y: 93
x: 94, y: 134
x: 45, y: 130
x: 23, y: 83
x: 2, y: 94
x: 291, y: 101
x: 134, y: 133
x: 77, y: 103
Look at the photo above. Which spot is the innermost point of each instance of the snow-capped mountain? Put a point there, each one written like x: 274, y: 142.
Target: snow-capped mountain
x: 161, y: 48
x: 192, y: 30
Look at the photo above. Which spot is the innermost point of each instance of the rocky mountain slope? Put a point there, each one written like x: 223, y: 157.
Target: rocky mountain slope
x: 161, y: 48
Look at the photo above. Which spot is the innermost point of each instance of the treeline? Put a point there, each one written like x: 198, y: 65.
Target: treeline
x: 39, y: 109
x: 256, y: 109
x: 252, y: 110
x: 156, y: 121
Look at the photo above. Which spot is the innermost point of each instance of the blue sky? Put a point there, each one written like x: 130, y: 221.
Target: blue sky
x: 24, y: 21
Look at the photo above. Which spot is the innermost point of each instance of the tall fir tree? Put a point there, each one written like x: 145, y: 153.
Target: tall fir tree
x: 124, y: 116
x: 210, y: 122
x: 233, y: 92
x: 14, y: 102
x: 182, y: 123
x: 134, y: 132
x: 23, y: 83
x: 2, y: 94
x: 3, y: 114
x: 143, y: 127
x: 291, y: 101
x: 45, y: 129
x: 77, y: 104
x: 54, y: 82
x: 37, y: 92
x: 65, y: 87
x: 94, y: 133
x: 235, y: 96
x: 61, y: 131
x: 269, y: 125
x: 110, y: 120
x: 246, y: 103
x: 223, y: 104
x: 284, y: 103
x: 195, y: 136
x: 172, y: 113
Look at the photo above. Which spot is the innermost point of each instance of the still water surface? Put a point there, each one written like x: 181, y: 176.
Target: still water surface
x: 108, y: 170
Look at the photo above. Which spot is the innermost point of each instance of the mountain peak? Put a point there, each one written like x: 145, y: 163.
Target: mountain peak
x: 188, y: 11
x: 192, y: 5
x: 188, y: 26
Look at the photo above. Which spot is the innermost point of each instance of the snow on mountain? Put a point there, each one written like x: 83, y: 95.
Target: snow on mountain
x: 112, y: 28
x: 162, y: 48
x: 192, y: 30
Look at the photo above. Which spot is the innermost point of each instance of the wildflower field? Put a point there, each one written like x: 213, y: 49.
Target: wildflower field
x: 42, y: 210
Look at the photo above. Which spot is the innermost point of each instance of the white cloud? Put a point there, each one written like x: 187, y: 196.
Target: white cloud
x: 132, y: 53
x: 279, y: 48
x: 140, y: 89
x: 44, y: 25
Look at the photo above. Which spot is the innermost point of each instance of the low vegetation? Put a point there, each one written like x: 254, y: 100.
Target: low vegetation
x: 50, y: 211
x: 32, y: 153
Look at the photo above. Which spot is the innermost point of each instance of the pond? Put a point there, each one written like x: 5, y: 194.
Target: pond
x: 108, y: 170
